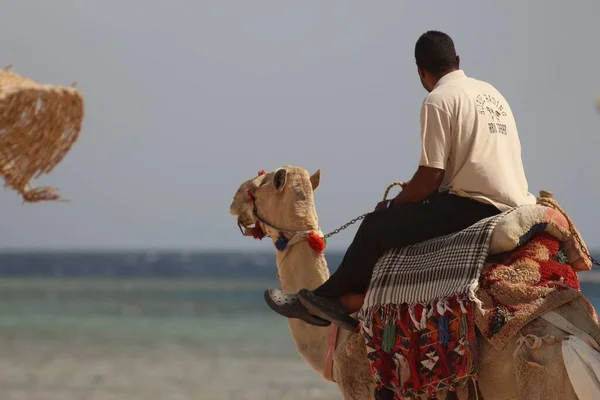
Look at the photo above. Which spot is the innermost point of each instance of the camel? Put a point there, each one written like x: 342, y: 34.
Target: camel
x: 529, y: 367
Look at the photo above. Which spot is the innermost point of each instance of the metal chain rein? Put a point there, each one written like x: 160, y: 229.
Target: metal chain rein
x: 360, y: 217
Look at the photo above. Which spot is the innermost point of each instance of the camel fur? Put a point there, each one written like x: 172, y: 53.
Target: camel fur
x: 529, y: 366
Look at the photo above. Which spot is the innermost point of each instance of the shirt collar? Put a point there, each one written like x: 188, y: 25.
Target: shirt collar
x: 459, y: 73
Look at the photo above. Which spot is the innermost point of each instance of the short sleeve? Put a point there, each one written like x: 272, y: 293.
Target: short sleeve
x: 436, y: 136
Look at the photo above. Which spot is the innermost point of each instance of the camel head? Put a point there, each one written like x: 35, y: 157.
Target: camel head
x: 280, y: 200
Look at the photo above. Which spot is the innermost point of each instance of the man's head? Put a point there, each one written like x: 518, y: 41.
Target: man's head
x: 435, y: 56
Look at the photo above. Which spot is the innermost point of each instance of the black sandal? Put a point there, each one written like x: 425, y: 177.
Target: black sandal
x: 289, y: 306
x: 331, y: 309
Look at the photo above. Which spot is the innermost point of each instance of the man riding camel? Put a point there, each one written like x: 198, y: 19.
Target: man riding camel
x: 470, y: 169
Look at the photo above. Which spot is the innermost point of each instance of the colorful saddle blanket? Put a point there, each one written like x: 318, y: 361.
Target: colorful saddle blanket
x: 418, y: 313
x: 424, y: 301
x: 524, y: 285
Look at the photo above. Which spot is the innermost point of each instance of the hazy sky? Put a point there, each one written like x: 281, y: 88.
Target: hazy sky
x: 187, y: 99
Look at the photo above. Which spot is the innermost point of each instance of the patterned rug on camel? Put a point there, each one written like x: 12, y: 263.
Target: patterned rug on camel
x: 425, y: 301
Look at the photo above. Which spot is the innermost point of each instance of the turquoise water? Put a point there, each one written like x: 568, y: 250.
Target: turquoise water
x: 144, y: 309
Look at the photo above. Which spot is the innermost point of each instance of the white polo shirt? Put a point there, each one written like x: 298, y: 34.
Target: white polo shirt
x: 468, y: 130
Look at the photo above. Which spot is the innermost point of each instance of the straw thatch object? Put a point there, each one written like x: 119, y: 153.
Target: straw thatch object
x: 38, y: 125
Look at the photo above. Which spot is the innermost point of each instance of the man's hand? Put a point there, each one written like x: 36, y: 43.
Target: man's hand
x: 425, y: 181
x: 382, y: 205
x: 388, y: 203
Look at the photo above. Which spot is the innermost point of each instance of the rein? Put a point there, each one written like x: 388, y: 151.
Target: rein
x: 258, y: 233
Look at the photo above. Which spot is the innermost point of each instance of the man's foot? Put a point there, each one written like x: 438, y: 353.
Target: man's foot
x: 290, y: 306
x: 352, y: 302
x: 330, y: 309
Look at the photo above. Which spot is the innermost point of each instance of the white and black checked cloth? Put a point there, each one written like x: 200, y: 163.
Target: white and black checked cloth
x: 433, y: 269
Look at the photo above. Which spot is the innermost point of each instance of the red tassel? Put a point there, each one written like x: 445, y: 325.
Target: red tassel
x: 413, y: 361
x: 316, y: 242
x: 387, y: 369
x: 261, y: 172
x: 257, y: 231
x: 451, y: 395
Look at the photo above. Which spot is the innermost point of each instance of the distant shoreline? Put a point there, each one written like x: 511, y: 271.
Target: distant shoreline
x: 158, y: 282
x: 157, y: 266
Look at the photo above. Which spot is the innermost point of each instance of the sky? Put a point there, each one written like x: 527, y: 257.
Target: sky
x: 185, y: 100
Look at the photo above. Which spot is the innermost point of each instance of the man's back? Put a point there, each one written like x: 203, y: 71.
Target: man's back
x: 480, y: 149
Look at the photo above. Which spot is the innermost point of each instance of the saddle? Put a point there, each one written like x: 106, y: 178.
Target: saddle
x: 521, y: 226
x: 425, y: 301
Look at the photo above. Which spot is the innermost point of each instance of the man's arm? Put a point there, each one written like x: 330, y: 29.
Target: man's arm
x: 424, y: 182
x: 436, y: 128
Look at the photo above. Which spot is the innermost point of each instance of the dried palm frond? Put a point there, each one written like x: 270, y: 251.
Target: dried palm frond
x: 38, y: 126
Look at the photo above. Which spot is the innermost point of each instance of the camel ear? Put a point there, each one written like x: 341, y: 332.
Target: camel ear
x: 280, y: 179
x: 315, y: 179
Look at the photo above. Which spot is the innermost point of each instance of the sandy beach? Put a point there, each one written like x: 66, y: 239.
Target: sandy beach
x: 58, y: 370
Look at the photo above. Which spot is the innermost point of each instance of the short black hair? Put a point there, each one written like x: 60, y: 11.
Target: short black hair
x: 435, y: 52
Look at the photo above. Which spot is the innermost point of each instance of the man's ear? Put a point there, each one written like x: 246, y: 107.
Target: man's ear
x: 315, y: 179
x: 421, y: 72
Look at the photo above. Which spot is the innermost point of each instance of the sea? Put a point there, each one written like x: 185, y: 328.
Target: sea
x: 153, y: 326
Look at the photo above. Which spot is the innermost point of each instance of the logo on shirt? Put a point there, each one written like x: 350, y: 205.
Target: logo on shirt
x: 494, y: 110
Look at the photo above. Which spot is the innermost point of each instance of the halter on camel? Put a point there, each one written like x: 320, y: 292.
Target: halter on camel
x: 257, y: 231
x: 316, y: 240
